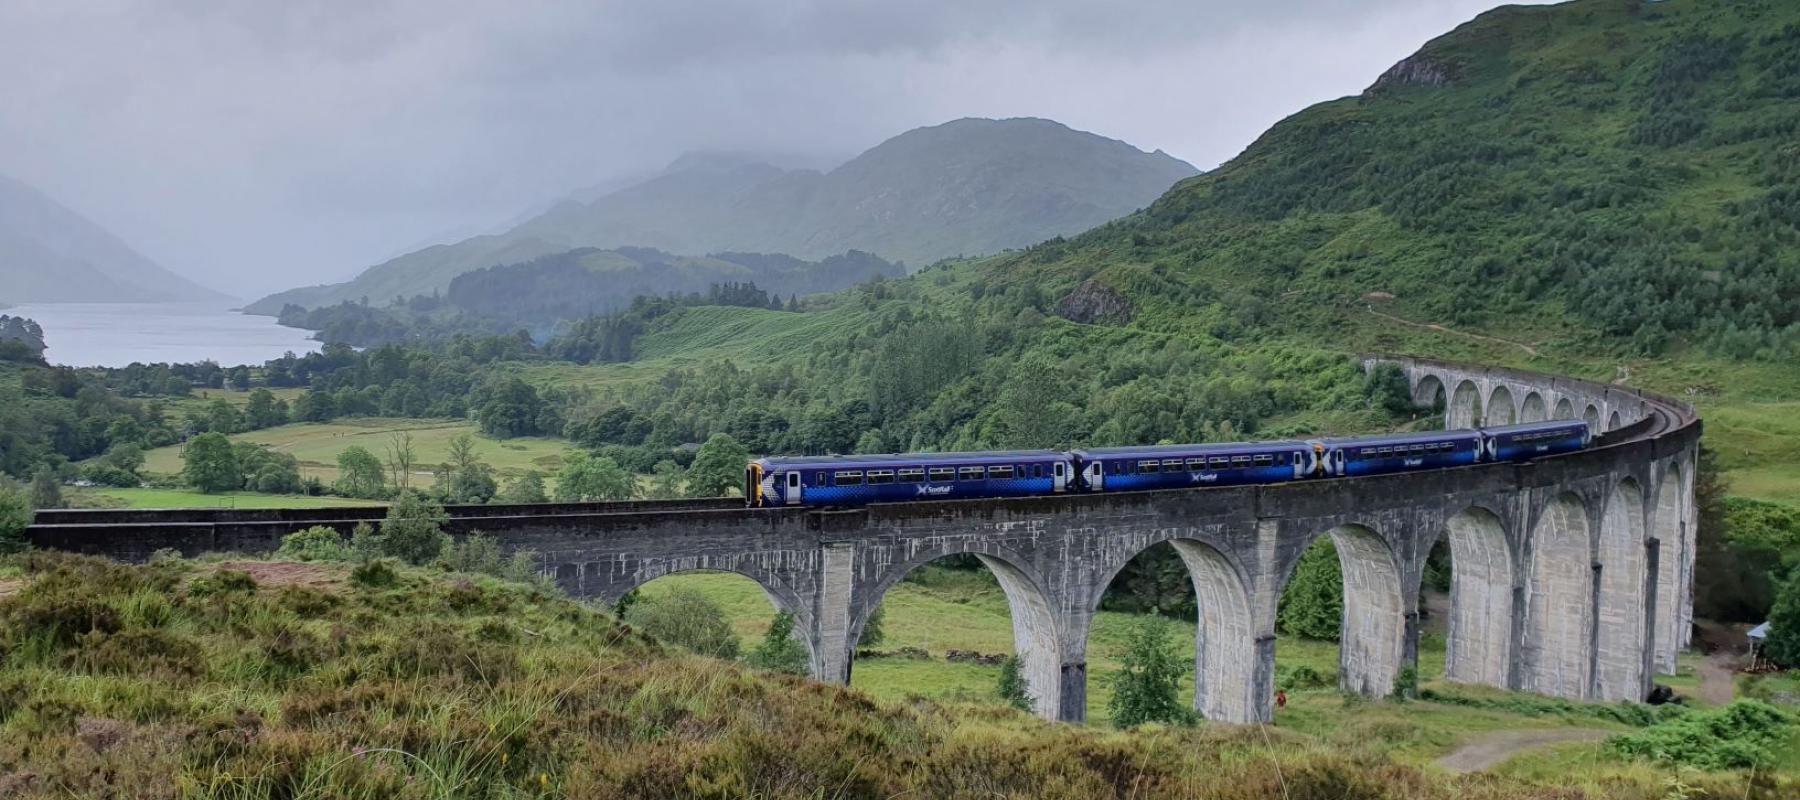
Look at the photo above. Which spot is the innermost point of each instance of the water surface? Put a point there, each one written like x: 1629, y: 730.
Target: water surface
x: 117, y: 334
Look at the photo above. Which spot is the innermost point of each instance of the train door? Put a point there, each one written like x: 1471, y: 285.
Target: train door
x: 1059, y: 477
x: 793, y: 487
x: 1337, y: 461
x: 1094, y: 475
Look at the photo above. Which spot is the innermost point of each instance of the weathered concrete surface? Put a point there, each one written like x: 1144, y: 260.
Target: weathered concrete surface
x: 1544, y: 553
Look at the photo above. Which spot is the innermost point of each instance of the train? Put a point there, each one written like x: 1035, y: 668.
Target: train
x: 828, y: 481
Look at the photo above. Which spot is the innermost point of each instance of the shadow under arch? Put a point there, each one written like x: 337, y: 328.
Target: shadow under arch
x: 1481, y: 599
x: 1623, y: 617
x: 1671, y: 535
x: 1533, y: 409
x: 1564, y: 409
x: 1559, y: 601
x: 1613, y: 422
x: 1225, y: 657
x: 780, y: 597
x: 1429, y: 392
x: 1036, y: 640
x: 1591, y: 416
x: 1465, y: 406
x: 1500, y: 408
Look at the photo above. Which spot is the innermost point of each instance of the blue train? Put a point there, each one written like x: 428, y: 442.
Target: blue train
x: 860, y: 480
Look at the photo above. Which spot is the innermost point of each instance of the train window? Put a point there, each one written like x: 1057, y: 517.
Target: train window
x: 1037, y: 470
x: 1263, y: 461
x: 943, y: 473
x: 1171, y: 465
x: 971, y: 473
x: 819, y: 478
x: 1219, y: 462
x: 847, y: 479
x: 1239, y: 462
x: 1147, y: 466
x: 881, y: 476
x: 1196, y: 464
x: 1000, y: 473
x: 910, y: 474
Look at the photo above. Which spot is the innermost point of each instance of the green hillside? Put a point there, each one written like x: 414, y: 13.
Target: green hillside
x: 1599, y: 177
x: 967, y: 187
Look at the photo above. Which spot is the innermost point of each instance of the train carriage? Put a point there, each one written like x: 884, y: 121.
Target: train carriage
x: 1376, y: 455
x: 1535, y: 439
x: 860, y: 480
x: 1126, y: 469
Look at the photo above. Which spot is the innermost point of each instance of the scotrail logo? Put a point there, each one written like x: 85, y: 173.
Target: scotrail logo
x: 1413, y: 462
x: 1206, y: 477
x: 928, y: 490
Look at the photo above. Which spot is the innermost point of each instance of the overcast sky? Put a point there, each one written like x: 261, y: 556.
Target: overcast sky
x: 257, y: 146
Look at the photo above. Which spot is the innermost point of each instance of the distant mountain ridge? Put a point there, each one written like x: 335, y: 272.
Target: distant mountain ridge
x: 967, y: 187
x: 50, y: 254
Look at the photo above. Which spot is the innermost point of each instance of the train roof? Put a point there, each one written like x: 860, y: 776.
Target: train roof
x: 1173, y: 449
x: 1420, y: 437
x: 1531, y: 427
x: 910, y: 459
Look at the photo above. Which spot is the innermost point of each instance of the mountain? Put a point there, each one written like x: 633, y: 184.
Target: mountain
x: 968, y: 187
x: 49, y: 254
x: 1604, y: 176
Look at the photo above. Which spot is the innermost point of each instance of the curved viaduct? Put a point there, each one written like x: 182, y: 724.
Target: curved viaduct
x: 1571, y: 575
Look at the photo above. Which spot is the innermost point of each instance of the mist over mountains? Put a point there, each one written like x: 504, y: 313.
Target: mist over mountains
x: 51, y: 254
x: 967, y: 187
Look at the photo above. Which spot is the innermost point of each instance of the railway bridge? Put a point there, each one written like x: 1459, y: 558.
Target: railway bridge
x: 1571, y: 574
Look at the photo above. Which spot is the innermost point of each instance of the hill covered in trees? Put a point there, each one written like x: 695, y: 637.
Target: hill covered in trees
x: 1617, y: 175
x: 968, y: 187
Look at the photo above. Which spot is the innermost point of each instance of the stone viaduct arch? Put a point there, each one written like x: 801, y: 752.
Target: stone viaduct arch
x: 1565, y: 409
x: 1548, y: 555
x: 1035, y: 636
x: 1533, y: 409
x: 1501, y: 408
x: 1481, y: 599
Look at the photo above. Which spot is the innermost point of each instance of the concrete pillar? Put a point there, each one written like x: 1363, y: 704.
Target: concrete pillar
x: 1620, y: 638
x: 1372, y: 645
x: 1072, y: 677
x: 833, y: 649
x: 1265, y: 598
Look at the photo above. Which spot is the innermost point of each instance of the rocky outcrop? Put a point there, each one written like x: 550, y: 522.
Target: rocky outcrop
x: 1095, y: 303
x: 1419, y: 69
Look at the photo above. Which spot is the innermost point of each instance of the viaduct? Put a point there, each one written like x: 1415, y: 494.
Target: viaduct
x: 1571, y: 575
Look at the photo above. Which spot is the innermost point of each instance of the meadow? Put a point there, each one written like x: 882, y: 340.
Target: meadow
x: 317, y: 445
x: 938, y: 609
x: 111, y: 497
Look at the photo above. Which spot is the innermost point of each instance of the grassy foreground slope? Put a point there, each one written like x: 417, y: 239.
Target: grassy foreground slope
x: 267, y: 679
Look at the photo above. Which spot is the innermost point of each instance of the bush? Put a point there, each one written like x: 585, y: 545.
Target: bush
x: 1312, y: 606
x: 1744, y: 735
x: 780, y: 651
x: 480, y: 554
x: 1147, y: 687
x: 375, y: 574
x: 687, y: 618
x: 15, y: 517
x: 1012, y: 688
x: 413, y: 530
x: 318, y: 543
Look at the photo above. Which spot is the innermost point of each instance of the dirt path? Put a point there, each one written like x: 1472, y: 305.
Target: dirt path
x: 1491, y: 750
x: 1441, y: 329
x: 1717, y: 678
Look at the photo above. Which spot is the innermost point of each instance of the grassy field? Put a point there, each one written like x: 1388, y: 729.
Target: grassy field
x: 182, y: 498
x: 318, y: 445
x: 939, y: 609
